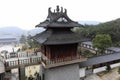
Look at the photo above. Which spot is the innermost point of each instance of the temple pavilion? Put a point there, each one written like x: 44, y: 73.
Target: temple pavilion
x: 59, y: 44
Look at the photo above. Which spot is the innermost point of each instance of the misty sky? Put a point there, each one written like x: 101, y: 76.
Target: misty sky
x: 28, y: 13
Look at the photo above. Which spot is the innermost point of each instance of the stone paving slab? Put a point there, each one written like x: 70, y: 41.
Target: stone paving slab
x: 93, y: 77
x: 112, y: 75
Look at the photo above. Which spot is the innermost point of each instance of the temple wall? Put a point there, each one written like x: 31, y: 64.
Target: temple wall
x: 82, y: 72
x: 100, y: 69
x: 115, y: 65
x: 2, y: 67
x: 68, y: 72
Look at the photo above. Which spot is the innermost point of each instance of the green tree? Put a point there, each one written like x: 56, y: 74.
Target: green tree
x: 108, y: 67
x: 101, y: 42
x: 112, y: 28
x: 32, y: 43
x: 29, y: 41
x: 23, y: 39
x: 119, y: 70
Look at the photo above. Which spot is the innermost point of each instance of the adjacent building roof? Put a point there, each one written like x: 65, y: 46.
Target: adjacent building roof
x: 100, y: 59
x: 87, y: 43
x: 7, y: 38
x: 58, y: 19
x: 115, y: 49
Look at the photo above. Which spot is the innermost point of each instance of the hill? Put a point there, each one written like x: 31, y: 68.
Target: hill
x: 11, y: 30
x: 17, y: 32
x: 89, y: 22
x: 111, y: 27
x: 35, y: 31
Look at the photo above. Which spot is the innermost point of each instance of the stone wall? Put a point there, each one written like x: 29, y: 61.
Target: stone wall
x: 68, y: 72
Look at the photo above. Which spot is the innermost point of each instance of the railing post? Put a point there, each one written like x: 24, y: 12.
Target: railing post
x: 13, y: 63
x: 38, y: 59
x: 30, y: 60
x: 18, y: 61
x: 6, y: 64
x: 22, y: 73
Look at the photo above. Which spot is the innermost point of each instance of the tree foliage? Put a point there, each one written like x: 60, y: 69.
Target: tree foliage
x: 32, y: 43
x: 119, y: 70
x: 23, y: 39
x: 112, y: 28
x: 101, y: 42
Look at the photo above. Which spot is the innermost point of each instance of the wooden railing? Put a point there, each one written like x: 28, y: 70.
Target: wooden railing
x: 59, y: 60
x: 62, y: 61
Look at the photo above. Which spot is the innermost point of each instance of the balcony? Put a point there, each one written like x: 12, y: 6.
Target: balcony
x: 63, y: 61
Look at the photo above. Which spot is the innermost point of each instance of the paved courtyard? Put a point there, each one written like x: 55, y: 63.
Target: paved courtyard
x: 112, y: 75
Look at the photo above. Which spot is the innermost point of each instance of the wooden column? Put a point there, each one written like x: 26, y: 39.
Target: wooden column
x: 2, y: 76
x: 22, y: 73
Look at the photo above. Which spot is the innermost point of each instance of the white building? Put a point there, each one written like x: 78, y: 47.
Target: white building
x: 8, y: 40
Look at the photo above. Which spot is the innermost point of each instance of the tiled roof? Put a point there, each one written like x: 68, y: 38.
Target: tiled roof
x: 58, y: 19
x: 115, y: 49
x: 58, y: 37
x: 100, y: 59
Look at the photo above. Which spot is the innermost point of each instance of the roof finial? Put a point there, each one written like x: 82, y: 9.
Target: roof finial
x: 57, y: 9
x: 49, y: 9
x: 65, y: 11
x: 54, y: 10
x: 62, y: 9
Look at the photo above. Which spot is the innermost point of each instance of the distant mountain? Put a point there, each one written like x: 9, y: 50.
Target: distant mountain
x: 89, y: 22
x: 17, y: 32
x: 110, y: 27
x: 11, y: 30
x: 115, y: 23
x: 35, y: 31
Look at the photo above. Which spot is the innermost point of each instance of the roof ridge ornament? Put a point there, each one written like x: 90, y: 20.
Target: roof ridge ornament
x: 57, y: 9
x: 65, y: 11
x: 58, y: 18
x: 61, y: 9
x: 49, y: 9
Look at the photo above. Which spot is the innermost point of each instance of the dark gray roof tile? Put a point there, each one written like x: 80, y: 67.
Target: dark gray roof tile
x: 100, y: 59
x: 58, y: 19
x: 58, y: 37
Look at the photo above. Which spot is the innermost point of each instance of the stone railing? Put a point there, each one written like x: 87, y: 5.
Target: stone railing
x: 22, y: 61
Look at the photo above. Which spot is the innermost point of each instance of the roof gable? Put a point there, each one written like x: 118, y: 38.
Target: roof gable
x: 58, y: 18
x: 62, y: 19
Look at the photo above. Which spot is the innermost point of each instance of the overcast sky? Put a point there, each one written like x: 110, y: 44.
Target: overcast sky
x: 28, y: 13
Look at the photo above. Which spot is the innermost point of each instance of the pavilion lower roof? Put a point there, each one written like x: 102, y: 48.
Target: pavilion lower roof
x: 50, y: 37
